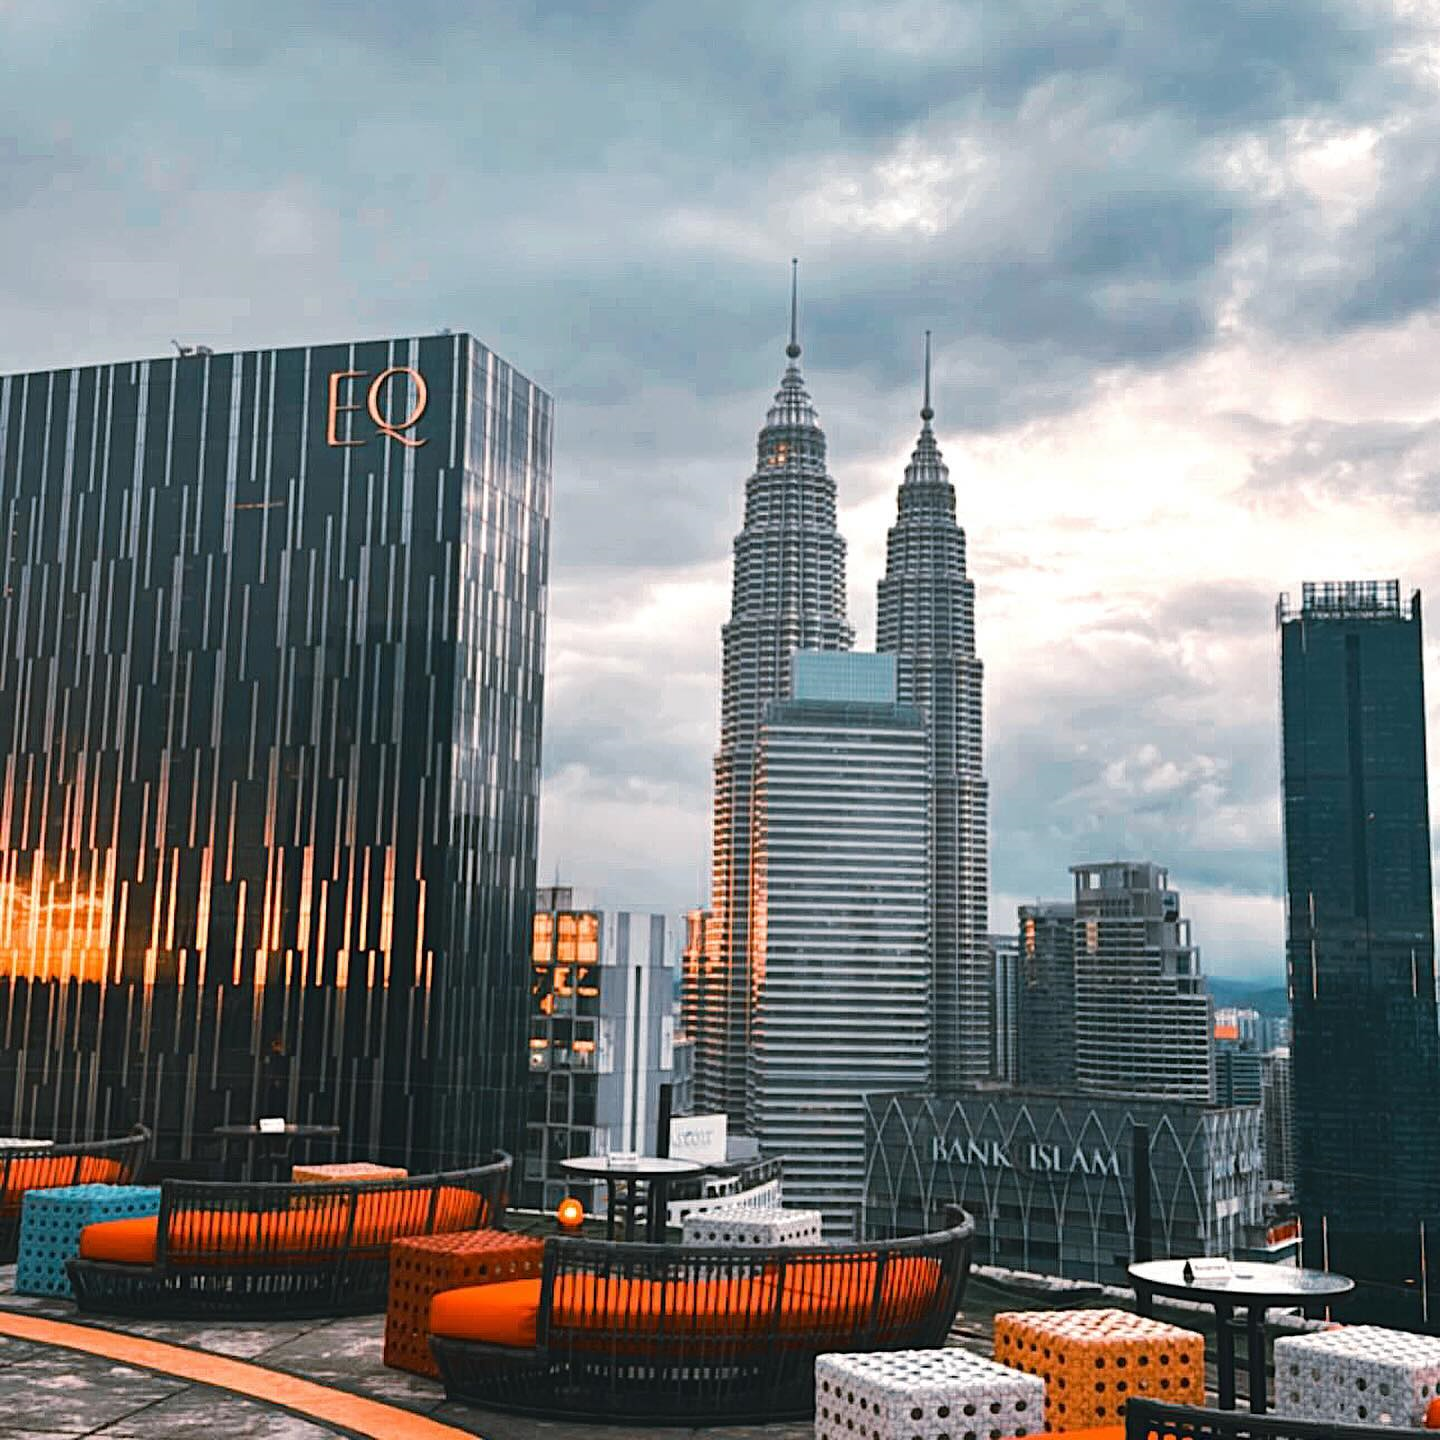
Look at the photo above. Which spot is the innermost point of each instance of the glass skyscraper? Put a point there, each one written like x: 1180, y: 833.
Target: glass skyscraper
x: 1360, y: 944
x: 788, y: 595
x: 271, y: 664
x: 925, y: 615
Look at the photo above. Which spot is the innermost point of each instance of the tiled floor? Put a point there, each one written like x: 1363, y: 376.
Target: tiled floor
x: 45, y: 1392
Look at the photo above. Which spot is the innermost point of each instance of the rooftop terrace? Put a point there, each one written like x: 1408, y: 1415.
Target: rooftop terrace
x: 303, y: 1379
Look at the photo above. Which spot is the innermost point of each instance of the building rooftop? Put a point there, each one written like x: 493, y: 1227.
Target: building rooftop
x: 121, y: 1379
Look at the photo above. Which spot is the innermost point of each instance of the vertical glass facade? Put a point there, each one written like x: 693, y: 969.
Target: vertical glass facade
x: 271, y: 666
x: 1360, y: 943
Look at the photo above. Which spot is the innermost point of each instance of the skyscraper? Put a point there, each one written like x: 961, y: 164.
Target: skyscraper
x: 926, y: 617
x: 1004, y: 972
x: 602, y: 1038
x: 1277, y: 1101
x: 1045, y: 997
x: 1142, y: 1015
x: 838, y: 922
x: 1360, y: 945
x: 272, y: 634
x: 788, y: 595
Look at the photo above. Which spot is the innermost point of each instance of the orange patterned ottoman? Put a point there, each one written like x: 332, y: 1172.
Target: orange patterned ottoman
x: 1093, y: 1360
x: 424, y: 1265
x: 352, y: 1172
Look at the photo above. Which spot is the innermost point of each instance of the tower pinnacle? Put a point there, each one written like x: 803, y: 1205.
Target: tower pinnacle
x: 926, y: 413
x: 793, y: 348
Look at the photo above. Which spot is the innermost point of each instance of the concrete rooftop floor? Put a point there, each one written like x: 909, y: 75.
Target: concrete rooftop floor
x: 48, y: 1392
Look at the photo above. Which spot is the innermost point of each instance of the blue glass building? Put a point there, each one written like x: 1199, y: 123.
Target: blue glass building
x: 1360, y: 944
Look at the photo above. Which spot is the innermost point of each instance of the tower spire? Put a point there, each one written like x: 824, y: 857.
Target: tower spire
x: 793, y: 348
x: 926, y: 413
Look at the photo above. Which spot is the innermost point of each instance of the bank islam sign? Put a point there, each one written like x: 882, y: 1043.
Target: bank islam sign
x: 1037, y: 1157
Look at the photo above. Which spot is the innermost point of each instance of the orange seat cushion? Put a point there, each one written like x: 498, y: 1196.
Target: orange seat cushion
x: 1098, y: 1432
x: 507, y: 1313
x: 47, y: 1172
x: 318, y: 1230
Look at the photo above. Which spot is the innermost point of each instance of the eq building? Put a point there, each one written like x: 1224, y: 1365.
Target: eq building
x: 272, y: 636
x: 1049, y: 1175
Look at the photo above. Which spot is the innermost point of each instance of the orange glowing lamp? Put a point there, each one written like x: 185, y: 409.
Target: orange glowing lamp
x: 570, y: 1213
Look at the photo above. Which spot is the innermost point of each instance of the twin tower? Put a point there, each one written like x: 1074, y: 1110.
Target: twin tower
x: 789, y: 596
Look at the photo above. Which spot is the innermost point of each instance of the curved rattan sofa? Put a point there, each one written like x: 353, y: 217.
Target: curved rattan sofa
x: 699, y: 1335
x: 276, y: 1249
x: 47, y: 1167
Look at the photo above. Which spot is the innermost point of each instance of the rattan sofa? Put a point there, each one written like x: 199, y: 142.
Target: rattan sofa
x: 275, y: 1249
x: 699, y: 1335
x: 47, y: 1167
x: 1154, y: 1420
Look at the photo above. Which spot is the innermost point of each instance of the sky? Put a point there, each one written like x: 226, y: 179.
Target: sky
x: 1179, y: 258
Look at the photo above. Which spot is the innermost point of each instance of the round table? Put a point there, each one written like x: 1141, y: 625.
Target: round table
x: 274, y: 1145
x: 656, y: 1171
x: 1253, y: 1288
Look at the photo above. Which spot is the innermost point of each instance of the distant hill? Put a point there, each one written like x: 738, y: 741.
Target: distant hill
x: 1256, y: 995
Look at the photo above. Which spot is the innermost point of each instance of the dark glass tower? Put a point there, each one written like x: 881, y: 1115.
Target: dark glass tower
x: 926, y: 615
x: 1360, y: 944
x: 788, y: 595
x: 271, y: 661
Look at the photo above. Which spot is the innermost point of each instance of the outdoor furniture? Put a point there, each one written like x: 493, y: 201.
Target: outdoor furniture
x: 267, y: 1149
x: 1361, y: 1374
x: 699, y: 1335
x: 42, y: 1165
x: 752, y: 1225
x: 357, y: 1171
x: 275, y: 1249
x: 1251, y: 1288
x: 904, y: 1393
x: 654, y: 1171
x: 1152, y: 1420
x: 424, y: 1265
x: 51, y: 1222
x: 1092, y: 1361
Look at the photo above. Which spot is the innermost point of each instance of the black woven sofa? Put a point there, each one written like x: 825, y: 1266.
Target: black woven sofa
x: 47, y: 1167
x: 1154, y: 1420
x: 694, y: 1335
x: 276, y: 1249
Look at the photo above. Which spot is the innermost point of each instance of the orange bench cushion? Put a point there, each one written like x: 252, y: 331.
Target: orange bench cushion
x: 199, y: 1237
x: 507, y: 1313
x: 46, y: 1172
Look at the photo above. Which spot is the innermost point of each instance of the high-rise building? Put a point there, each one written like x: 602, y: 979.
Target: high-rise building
x: 1361, y: 945
x: 788, y: 595
x: 1142, y: 1014
x: 1004, y: 969
x: 838, y: 926
x: 1238, y: 1074
x: 1045, y: 997
x: 272, y: 636
x: 1277, y: 1100
x: 926, y: 618
x: 1240, y: 1026
x: 602, y: 1038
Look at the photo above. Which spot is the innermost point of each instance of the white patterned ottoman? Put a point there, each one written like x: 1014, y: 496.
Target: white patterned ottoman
x: 752, y: 1225
x: 924, y: 1395
x: 1358, y: 1374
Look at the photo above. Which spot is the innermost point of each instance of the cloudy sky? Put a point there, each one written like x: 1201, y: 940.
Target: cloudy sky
x: 1180, y: 258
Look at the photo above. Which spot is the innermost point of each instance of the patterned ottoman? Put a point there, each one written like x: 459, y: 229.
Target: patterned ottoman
x: 752, y: 1225
x: 51, y: 1222
x: 1093, y: 1360
x: 353, y: 1171
x: 923, y: 1395
x: 1358, y: 1375
x: 424, y: 1265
